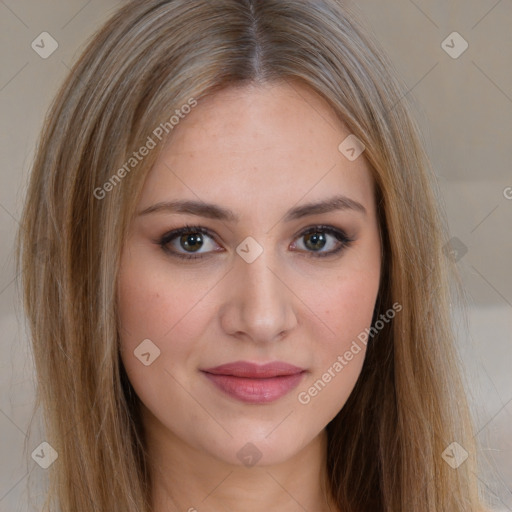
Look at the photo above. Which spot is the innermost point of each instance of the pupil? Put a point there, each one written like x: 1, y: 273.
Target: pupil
x: 188, y: 241
x: 315, y: 238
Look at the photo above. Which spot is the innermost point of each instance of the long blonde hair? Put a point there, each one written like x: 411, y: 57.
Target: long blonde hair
x: 152, y: 57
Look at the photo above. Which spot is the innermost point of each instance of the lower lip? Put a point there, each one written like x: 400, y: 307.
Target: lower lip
x: 256, y: 391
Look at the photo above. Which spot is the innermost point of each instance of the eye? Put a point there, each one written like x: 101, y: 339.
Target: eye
x: 318, y: 238
x: 186, y: 242
x: 189, y: 239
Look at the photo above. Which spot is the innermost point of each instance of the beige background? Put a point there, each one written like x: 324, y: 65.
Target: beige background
x: 464, y: 106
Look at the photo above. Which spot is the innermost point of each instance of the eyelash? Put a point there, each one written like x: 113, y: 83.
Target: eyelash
x: 164, y: 241
x: 340, y: 235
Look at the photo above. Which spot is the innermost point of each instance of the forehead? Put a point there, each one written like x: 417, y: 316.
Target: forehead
x: 263, y: 145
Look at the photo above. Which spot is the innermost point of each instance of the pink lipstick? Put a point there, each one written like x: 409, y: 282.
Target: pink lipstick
x: 255, y: 383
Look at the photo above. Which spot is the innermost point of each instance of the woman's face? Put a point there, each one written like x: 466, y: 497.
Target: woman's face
x: 269, y: 280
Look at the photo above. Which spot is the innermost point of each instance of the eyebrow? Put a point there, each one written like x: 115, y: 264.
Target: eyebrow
x: 213, y: 211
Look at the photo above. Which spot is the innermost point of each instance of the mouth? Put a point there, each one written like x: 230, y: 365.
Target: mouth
x: 255, y: 383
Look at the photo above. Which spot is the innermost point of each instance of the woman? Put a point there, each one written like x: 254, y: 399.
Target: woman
x: 203, y: 167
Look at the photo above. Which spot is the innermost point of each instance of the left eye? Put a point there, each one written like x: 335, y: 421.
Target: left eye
x: 192, y: 238
x: 319, y: 237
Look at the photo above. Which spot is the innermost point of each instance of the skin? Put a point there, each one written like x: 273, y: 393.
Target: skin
x: 259, y: 151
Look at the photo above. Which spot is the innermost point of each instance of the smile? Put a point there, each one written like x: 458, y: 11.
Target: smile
x: 253, y: 383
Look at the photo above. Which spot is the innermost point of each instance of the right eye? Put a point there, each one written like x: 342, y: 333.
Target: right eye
x: 189, y: 239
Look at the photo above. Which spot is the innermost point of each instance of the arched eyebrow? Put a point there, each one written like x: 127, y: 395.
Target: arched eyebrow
x: 213, y: 211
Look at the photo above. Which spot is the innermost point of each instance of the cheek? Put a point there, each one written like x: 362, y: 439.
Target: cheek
x: 154, y: 305
x: 339, y: 358
x: 154, y: 302
x: 350, y: 306
x: 348, y: 315
x: 345, y: 314
x: 157, y: 305
x: 348, y: 301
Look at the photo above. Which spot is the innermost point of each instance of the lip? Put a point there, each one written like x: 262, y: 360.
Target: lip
x: 255, y: 383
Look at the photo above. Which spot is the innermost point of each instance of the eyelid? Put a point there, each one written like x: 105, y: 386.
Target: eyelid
x: 340, y: 234
x: 166, y: 239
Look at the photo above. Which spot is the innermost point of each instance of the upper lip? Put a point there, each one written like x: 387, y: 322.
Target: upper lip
x: 255, y: 370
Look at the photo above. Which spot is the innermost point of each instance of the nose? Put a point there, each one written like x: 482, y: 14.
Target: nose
x: 260, y: 305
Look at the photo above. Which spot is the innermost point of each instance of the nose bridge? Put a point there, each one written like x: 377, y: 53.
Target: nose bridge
x: 259, y: 305
x: 263, y: 288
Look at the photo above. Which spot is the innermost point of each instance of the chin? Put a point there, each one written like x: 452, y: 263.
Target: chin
x: 260, y: 448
